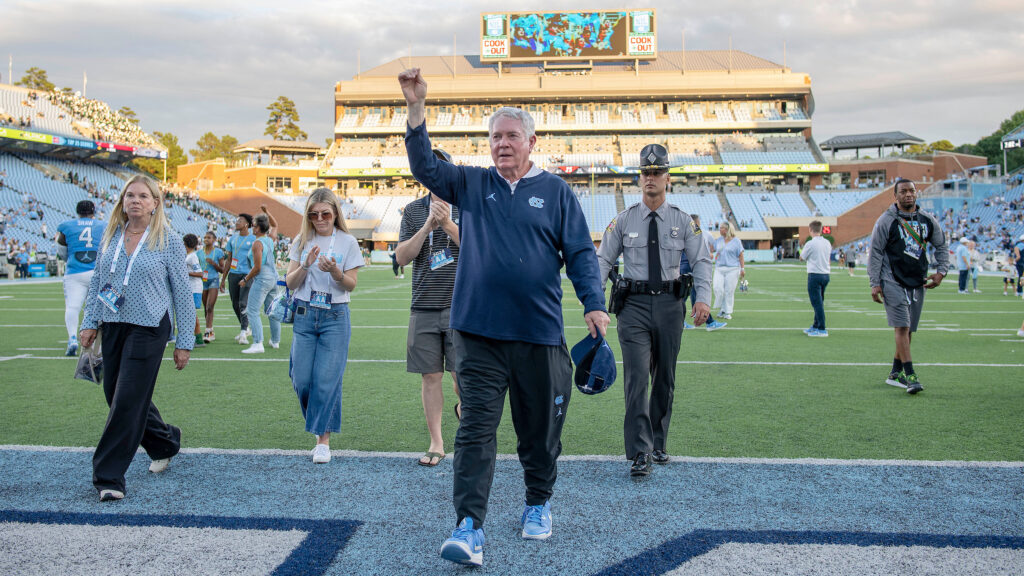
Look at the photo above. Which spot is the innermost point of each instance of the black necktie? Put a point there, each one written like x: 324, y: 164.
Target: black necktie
x: 653, y: 255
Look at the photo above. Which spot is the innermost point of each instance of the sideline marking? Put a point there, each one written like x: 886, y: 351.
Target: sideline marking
x: 673, y: 553
x: 18, y: 357
x: 574, y: 458
x: 702, y: 362
x: 324, y: 538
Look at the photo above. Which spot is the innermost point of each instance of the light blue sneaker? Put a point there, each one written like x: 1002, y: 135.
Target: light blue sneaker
x: 466, y: 546
x: 537, y: 522
x: 688, y: 326
x: 72, y: 347
x: 713, y: 325
x: 819, y: 334
x: 810, y: 331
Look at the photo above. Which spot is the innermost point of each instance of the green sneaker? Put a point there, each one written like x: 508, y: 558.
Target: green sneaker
x: 897, y: 379
x: 913, y: 384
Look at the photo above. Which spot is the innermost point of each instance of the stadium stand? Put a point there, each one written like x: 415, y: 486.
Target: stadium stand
x: 836, y: 203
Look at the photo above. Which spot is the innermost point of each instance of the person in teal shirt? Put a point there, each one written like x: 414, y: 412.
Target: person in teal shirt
x: 236, y: 258
x: 211, y: 259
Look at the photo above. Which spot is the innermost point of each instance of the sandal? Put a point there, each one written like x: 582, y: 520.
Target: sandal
x: 458, y: 411
x: 430, y: 457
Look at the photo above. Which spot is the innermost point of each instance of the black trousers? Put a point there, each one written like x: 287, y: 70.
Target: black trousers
x: 650, y: 329
x: 131, y: 361
x: 538, y: 380
x: 239, y: 297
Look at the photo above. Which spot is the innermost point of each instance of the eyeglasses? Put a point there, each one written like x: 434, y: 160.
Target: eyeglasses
x: 654, y: 172
x: 327, y: 215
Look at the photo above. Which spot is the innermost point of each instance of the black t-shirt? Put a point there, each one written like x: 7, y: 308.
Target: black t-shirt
x: 431, y: 289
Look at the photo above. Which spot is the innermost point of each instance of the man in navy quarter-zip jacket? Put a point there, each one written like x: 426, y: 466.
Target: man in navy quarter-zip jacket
x: 519, y: 225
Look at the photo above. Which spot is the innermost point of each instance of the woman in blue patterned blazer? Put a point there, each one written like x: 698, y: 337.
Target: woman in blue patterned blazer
x: 140, y: 275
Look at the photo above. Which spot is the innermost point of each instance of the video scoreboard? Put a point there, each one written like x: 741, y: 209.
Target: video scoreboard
x: 599, y: 35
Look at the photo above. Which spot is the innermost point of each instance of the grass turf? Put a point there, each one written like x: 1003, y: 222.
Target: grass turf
x: 740, y: 392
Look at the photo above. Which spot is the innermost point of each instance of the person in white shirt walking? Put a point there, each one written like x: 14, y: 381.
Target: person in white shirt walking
x: 816, y: 253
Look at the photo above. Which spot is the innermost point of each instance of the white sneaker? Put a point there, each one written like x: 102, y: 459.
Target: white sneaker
x: 242, y: 339
x: 248, y: 332
x: 108, y: 495
x: 321, y: 454
x: 256, y: 348
x: 158, y: 466
x: 238, y: 337
x: 275, y: 345
x: 1020, y: 333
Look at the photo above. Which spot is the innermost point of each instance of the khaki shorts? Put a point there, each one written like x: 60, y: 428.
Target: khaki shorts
x: 429, y: 348
x: 902, y: 305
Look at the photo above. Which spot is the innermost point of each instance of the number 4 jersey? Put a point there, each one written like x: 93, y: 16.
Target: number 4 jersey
x: 83, y: 239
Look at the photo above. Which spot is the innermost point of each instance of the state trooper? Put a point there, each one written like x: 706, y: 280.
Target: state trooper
x: 652, y: 236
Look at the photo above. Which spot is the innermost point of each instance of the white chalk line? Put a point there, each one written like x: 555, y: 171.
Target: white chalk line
x: 572, y: 458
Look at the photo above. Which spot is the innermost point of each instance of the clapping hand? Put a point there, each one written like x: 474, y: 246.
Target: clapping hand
x: 440, y: 212
x: 329, y: 265
x: 311, y: 257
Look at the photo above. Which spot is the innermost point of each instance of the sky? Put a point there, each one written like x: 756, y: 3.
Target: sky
x: 935, y: 69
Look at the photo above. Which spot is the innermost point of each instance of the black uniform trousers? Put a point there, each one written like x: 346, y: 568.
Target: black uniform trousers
x: 650, y: 328
x: 239, y: 297
x: 538, y: 380
x: 131, y: 361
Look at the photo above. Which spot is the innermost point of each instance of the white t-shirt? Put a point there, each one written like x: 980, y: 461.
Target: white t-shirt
x: 817, y: 252
x: 192, y: 264
x: 346, y: 252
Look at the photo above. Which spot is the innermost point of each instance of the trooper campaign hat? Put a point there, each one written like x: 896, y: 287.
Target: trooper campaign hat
x: 595, y: 365
x: 653, y: 156
x: 442, y: 155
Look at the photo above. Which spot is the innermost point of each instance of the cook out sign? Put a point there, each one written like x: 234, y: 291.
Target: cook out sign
x: 641, y: 45
x: 495, y: 48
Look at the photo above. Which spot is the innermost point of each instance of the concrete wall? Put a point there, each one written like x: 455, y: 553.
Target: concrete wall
x: 859, y: 222
x: 248, y: 200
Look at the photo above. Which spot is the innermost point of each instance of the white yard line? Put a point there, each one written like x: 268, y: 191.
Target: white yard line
x: 577, y: 458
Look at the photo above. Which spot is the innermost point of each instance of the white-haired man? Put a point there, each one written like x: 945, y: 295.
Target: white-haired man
x: 519, y: 226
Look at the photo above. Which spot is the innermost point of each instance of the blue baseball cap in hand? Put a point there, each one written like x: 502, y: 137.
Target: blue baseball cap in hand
x: 595, y: 364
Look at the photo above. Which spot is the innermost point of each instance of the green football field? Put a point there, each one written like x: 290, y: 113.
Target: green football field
x: 758, y: 388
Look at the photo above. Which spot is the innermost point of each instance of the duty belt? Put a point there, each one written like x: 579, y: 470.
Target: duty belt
x: 638, y: 287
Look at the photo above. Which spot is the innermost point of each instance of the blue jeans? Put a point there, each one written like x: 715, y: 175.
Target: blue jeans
x: 317, y: 363
x: 816, y: 284
x: 961, y: 281
x: 262, y: 291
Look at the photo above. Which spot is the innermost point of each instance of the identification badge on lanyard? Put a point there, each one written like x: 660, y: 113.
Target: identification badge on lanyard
x: 320, y: 300
x: 441, y: 258
x: 111, y: 298
x: 234, y: 263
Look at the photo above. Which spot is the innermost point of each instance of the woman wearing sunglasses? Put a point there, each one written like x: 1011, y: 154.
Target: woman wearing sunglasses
x: 323, y: 271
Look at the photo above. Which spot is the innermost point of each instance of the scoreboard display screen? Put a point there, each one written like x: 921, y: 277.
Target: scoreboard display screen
x: 603, y: 35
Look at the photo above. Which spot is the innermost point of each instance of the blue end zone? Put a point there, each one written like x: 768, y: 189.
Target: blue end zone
x: 678, y: 551
x: 324, y: 538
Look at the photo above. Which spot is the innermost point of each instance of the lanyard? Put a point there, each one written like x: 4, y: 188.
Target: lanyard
x: 913, y: 234
x: 135, y: 253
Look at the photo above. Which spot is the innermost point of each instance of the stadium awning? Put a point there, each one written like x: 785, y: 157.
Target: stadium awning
x: 876, y: 140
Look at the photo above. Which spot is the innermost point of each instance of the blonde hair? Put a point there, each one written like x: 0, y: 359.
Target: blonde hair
x: 158, y: 225
x: 320, y: 196
x: 732, y: 231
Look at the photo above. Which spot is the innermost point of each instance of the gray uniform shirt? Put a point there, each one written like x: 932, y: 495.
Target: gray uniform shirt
x: 627, y: 235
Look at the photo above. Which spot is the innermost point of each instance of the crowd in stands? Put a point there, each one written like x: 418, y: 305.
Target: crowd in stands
x: 107, y: 125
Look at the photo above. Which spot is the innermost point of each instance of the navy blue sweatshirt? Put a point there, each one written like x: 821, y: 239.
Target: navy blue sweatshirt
x: 512, y: 246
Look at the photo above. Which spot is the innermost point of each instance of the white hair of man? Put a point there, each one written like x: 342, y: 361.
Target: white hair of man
x: 516, y: 114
